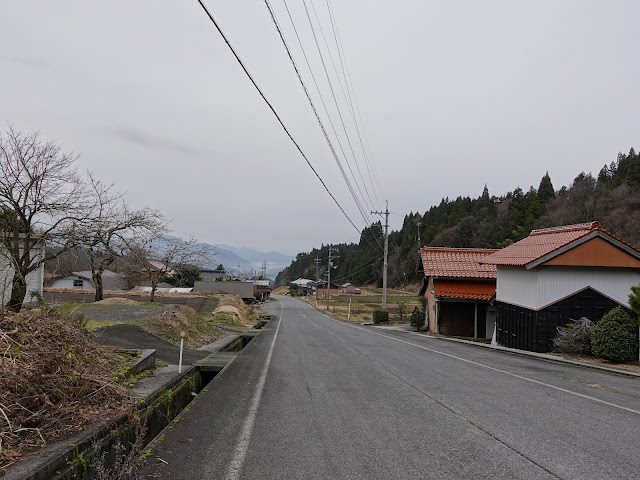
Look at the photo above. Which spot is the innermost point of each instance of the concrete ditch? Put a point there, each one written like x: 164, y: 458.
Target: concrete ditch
x: 160, y: 399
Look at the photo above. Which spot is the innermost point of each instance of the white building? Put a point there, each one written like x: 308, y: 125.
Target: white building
x: 35, y: 279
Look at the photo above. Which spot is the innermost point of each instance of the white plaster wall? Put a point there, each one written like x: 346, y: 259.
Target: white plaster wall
x: 517, y: 286
x: 67, y: 282
x: 34, y: 279
x: 555, y: 283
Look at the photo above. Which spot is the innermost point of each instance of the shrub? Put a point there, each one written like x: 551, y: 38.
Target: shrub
x: 417, y: 319
x: 380, y: 315
x: 402, y: 311
x: 575, y: 337
x: 613, y: 338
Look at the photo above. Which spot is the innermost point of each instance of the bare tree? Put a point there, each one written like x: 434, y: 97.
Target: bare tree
x: 155, y: 258
x: 41, y: 200
x: 113, y: 222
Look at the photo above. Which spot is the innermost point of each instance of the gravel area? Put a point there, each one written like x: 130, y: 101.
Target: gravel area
x: 120, y: 313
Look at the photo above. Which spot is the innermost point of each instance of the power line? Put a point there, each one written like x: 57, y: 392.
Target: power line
x: 274, y: 111
x: 324, y: 38
x: 315, y: 111
x: 352, y: 101
x: 333, y: 94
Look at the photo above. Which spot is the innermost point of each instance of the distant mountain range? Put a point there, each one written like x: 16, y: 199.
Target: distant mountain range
x: 245, y: 259
x: 248, y: 258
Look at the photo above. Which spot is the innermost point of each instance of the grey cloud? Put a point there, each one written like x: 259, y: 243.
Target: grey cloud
x: 30, y: 61
x: 143, y: 139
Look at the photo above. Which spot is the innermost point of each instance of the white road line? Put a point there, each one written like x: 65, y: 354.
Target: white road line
x: 581, y: 395
x: 240, y: 453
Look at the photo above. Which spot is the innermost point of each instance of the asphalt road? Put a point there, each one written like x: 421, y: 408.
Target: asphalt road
x: 313, y: 397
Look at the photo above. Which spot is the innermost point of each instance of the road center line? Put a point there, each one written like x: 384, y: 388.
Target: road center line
x: 240, y: 453
x: 581, y: 395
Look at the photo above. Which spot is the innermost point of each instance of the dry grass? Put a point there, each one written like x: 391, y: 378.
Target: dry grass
x: 54, y: 381
x: 231, y: 310
x: 168, y: 325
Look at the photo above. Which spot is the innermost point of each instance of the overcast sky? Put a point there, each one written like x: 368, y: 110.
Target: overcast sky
x: 452, y: 95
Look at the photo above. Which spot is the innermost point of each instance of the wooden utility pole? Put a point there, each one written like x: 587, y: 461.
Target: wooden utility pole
x: 330, y: 265
x: 386, y: 253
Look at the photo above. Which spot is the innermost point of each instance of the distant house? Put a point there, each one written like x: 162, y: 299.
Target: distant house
x: 321, y: 289
x: 84, y: 281
x: 458, y: 289
x: 304, y: 286
x: 245, y: 290
x: 348, y: 289
x: 35, y: 279
x: 556, y: 275
x: 213, y: 275
x: 263, y: 289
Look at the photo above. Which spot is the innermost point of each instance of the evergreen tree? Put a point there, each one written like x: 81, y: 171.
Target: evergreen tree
x: 545, y: 190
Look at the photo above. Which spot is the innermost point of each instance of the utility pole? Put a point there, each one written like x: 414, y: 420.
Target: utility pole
x: 317, y: 262
x: 264, y: 269
x: 330, y: 265
x: 386, y: 253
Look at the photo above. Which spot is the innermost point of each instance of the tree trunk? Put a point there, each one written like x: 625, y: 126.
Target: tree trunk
x: 18, y: 292
x: 97, y: 281
x: 154, y: 285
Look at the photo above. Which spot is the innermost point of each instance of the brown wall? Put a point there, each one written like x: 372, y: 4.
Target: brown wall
x: 431, y: 305
x: 595, y: 253
x: 323, y: 291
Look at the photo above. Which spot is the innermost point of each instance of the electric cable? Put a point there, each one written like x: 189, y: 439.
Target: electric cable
x: 315, y: 111
x: 235, y: 54
x: 333, y: 94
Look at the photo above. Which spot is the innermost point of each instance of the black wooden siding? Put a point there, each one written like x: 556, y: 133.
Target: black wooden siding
x: 526, y: 329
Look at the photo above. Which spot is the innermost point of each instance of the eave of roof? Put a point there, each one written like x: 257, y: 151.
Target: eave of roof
x: 465, y: 289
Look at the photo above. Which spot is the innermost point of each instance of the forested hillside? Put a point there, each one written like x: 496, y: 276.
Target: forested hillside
x: 612, y: 198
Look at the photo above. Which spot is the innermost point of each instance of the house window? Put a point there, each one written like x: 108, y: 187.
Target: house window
x: 77, y: 284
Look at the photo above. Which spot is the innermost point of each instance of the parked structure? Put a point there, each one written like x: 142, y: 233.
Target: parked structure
x: 245, y: 290
x: 458, y: 289
x: 35, y: 279
x: 84, y: 281
x: 556, y: 275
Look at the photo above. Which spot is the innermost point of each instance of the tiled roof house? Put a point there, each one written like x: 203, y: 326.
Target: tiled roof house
x: 458, y: 287
x: 556, y: 275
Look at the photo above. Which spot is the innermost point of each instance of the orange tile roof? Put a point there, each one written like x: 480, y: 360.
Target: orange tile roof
x: 464, y: 289
x: 457, y: 262
x: 545, y: 241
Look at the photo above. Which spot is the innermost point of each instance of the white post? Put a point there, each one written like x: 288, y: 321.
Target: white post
x: 349, y: 314
x: 181, y: 348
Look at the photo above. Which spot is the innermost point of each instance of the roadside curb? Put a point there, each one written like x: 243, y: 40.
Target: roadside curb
x: 524, y: 353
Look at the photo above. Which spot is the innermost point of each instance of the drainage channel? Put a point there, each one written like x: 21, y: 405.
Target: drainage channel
x: 73, y: 458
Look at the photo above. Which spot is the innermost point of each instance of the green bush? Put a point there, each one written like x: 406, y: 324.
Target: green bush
x: 380, y: 315
x: 417, y: 319
x: 613, y: 338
